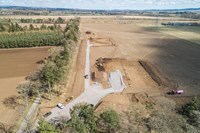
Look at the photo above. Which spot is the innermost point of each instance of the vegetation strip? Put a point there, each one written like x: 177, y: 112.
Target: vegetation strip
x: 54, y: 68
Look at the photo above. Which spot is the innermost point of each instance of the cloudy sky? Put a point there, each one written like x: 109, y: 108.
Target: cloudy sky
x: 106, y: 4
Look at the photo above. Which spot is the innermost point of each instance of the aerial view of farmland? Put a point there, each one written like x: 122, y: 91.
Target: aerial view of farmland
x: 91, y: 66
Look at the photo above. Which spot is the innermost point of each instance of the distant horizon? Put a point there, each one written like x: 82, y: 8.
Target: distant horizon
x: 97, y: 9
x: 105, y: 4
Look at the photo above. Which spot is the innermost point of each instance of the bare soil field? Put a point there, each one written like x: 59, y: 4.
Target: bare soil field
x: 134, y: 75
x: 175, y: 58
x: 15, y: 65
x: 20, y: 62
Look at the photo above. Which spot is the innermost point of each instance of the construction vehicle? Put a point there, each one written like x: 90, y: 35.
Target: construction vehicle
x: 176, y: 92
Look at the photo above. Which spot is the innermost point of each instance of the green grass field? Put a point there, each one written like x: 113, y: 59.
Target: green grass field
x: 190, y: 33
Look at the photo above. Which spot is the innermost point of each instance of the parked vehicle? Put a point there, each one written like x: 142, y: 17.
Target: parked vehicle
x: 60, y: 105
x: 69, y: 98
x: 175, y: 92
x: 47, y: 114
x: 86, y: 76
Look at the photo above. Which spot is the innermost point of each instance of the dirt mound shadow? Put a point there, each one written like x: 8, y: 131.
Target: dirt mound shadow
x: 156, y: 75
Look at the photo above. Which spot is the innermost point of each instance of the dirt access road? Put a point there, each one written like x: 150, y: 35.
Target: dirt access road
x: 177, y: 59
x: 92, y: 93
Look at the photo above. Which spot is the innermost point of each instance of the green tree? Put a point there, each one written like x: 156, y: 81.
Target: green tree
x: 31, y: 27
x: 51, y: 73
x: 60, y: 20
x: 83, y: 119
x: 45, y: 127
x: 11, y: 27
x: 108, y: 121
x: 71, y: 35
x: 28, y: 89
x: 25, y: 28
x: 17, y: 27
x: 43, y: 27
x: 2, y: 28
x: 192, y: 105
x: 194, y: 118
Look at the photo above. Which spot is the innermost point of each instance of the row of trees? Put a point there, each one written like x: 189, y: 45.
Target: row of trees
x: 84, y: 120
x: 59, y: 20
x: 56, y: 66
x: 30, y: 39
x: 190, y: 15
x: 15, y: 27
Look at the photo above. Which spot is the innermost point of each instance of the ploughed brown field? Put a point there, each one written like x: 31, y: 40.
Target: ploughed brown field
x: 15, y: 65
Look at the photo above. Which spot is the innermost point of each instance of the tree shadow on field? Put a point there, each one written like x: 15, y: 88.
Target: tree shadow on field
x: 179, y: 60
x: 40, y: 62
x: 12, y: 102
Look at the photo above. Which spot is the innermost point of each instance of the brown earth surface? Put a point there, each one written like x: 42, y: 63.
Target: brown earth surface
x: 15, y: 65
x: 177, y: 59
x: 20, y: 62
x: 174, y: 60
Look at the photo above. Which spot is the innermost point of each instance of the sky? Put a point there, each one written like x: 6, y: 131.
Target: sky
x: 106, y: 4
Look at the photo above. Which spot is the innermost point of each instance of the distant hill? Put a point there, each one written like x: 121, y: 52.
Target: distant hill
x: 68, y: 9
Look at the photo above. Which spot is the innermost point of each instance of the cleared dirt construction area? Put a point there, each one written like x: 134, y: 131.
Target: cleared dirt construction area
x: 102, y: 42
x: 176, y: 59
x: 15, y: 65
x: 105, y: 59
x: 135, y: 77
x: 151, y: 62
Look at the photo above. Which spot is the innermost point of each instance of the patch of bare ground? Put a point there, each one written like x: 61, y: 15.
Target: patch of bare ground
x: 134, y: 75
x: 117, y: 102
x: 176, y: 59
x: 21, y: 62
x: 98, y: 42
x: 105, y: 58
x: 15, y: 65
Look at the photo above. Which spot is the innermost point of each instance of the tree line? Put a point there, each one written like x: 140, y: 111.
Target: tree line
x: 190, y: 15
x: 59, y: 20
x: 15, y: 27
x: 84, y: 120
x: 15, y: 36
x: 30, y: 39
x: 55, y: 66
